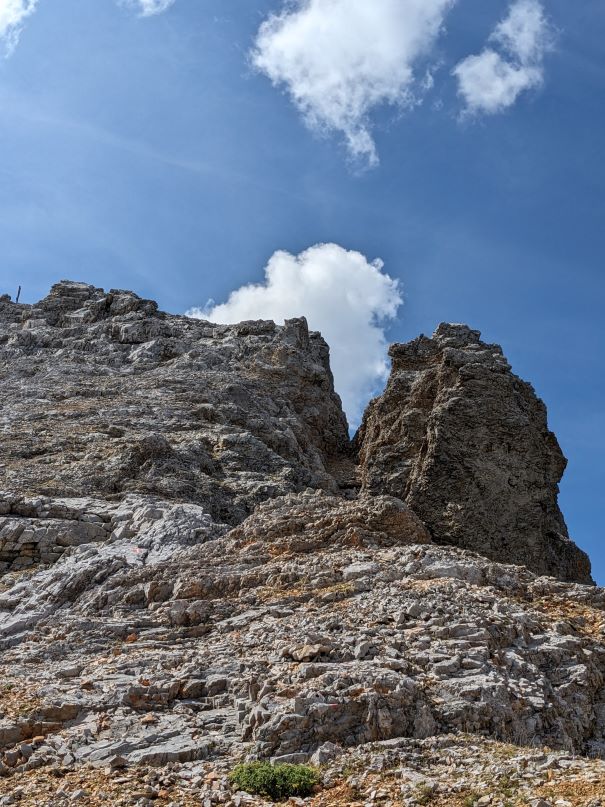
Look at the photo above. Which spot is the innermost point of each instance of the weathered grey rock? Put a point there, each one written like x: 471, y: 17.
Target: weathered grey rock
x: 313, y: 520
x: 326, y: 753
x: 297, y: 640
x: 192, y: 578
x: 466, y: 444
x: 39, y: 530
x: 104, y: 395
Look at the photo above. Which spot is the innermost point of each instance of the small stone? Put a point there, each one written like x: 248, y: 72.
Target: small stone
x: 326, y: 753
x: 116, y: 762
x: 11, y: 758
x: 26, y: 750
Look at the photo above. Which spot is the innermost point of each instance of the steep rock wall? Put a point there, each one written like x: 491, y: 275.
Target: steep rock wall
x: 466, y: 444
x: 103, y: 395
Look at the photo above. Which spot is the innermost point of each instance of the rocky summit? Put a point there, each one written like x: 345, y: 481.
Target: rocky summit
x: 466, y: 444
x: 198, y: 567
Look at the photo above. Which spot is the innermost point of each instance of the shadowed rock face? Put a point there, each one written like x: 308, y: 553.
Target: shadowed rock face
x: 465, y: 443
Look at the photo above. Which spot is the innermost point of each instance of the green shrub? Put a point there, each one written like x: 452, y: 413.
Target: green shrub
x: 424, y: 794
x: 275, y: 781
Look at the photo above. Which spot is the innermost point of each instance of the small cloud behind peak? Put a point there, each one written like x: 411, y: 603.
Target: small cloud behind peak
x: 343, y: 295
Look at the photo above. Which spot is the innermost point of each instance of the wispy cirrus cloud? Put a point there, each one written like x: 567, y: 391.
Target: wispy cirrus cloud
x: 148, y: 8
x: 339, y: 60
x: 13, y: 14
x: 490, y: 82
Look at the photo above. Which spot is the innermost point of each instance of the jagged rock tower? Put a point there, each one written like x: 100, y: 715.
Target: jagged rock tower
x: 110, y: 396
x: 466, y: 444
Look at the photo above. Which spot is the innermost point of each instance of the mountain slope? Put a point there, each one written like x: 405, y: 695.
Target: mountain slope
x: 195, y: 572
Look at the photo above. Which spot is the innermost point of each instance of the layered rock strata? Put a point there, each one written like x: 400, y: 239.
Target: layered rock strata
x: 179, y: 640
x: 39, y: 530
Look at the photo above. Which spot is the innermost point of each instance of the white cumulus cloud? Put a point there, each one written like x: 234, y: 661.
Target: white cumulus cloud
x: 339, y: 59
x: 525, y: 33
x: 13, y: 14
x: 490, y: 82
x: 343, y: 295
x: 150, y: 7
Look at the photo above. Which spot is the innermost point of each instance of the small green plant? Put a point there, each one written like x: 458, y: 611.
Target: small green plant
x: 275, y: 781
x: 349, y: 769
x: 506, y: 786
x: 469, y: 801
x: 424, y: 794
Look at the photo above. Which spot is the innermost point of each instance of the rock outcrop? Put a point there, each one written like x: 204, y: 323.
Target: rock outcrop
x: 465, y: 443
x: 190, y: 575
x: 316, y: 627
x: 102, y: 395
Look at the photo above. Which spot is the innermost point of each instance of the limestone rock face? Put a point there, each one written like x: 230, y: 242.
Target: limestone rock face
x: 180, y: 640
x: 102, y: 395
x: 190, y: 575
x: 465, y: 443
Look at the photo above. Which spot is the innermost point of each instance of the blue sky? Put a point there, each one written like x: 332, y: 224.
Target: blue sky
x: 148, y: 152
